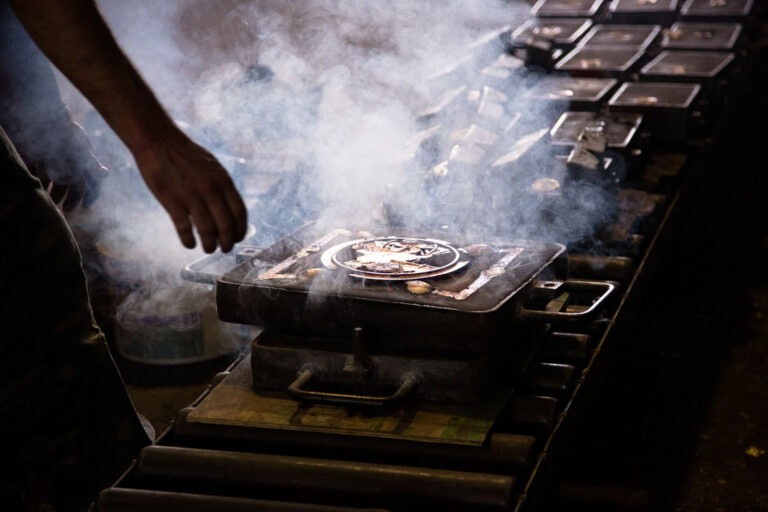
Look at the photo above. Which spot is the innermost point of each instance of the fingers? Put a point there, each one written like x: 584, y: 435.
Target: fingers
x: 181, y: 221
x: 225, y: 221
x: 220, y: 213
x: 219, y: 217
x: 205, y: 224
x: 197, y: 191
x: 236, y: 205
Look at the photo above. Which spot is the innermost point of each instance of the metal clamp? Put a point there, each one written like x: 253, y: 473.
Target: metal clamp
x: 605, y: 288
x: 408, y: 383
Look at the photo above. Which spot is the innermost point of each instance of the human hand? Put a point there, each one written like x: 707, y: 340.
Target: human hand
x: 71, y: 167
x: 194, y: 188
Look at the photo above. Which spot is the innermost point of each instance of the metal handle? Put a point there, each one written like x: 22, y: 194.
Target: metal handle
x: 195, y: 273
x: 605, y: 288
x: 408, y: 383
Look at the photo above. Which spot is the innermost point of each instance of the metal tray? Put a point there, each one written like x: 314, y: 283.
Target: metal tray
x: 665, y: 106
x: 618, y: 129
x: 456, y: 313
x: 716, y: 10
x: 634, y: 36
x: 662, y: 12
x: 686, y: 66
x: 701, y: 36
x: 580, y: 93
x: 562, y: 32
x: 647, y: 96
x: 600, y: 62
x: 566, y: 8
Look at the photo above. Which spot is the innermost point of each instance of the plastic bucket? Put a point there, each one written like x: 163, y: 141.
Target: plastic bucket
x: 159, y: 318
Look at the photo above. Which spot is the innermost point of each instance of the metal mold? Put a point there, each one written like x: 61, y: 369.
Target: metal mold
x: 644, y: 96
x: 634, y: 36
x: 600, y: 62
x: 687, y: 66
x: 662, y: 12
x: 716, y: 10
x: 275, y: 289
x: 562, y: 32
x: 665, y: 106
x: 579, y: 93
x: 617, y: 129
x: 566, y: 8
x: 276, y: 367
x: 701, y: 36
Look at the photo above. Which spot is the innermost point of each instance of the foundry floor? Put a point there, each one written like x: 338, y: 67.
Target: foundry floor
x: 683, y: 425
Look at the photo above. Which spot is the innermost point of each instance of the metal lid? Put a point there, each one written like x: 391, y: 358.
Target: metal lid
x: 558, y: 30
x: 599, y: 59
x: 684, y: 63
x: 571, y: 89
x: 617, y: 129
x: 566, y: 8
x: 716, y: 8
x: 643, y: 6
x: 655, y: 95
x: 635, y: 36
x: 701, y: 36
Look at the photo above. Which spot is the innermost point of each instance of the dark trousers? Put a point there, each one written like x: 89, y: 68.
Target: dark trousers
x: 67, y: 425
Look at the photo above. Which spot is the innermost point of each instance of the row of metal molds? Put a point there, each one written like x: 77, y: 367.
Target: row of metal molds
x: 663, y: 12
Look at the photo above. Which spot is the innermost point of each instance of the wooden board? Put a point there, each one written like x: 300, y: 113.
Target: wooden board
x: 234, y: 402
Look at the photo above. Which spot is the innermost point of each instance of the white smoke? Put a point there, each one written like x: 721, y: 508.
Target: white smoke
x: 316, y: 101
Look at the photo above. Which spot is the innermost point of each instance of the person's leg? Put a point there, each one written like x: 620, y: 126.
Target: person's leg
x: 62, y: 402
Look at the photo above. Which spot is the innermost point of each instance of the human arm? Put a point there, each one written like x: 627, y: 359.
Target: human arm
x: 185, y: 178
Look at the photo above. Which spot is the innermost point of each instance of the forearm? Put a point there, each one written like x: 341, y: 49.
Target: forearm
x: 74, y: 36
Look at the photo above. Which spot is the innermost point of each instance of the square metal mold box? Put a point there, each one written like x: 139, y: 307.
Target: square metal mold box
x: 686, y: 66
x: 562, y: 32
x: 600, y: 61
x: 716, y: 10
x: 701, y: 36
x: 661, y: 12
x: 665, y: 106
x: 574, y: 93
x: 618, y: 129
x: 633, y: 36
x: 566, y: 8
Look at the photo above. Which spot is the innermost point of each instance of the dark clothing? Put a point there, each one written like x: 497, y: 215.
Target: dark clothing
x: 67, y: 425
